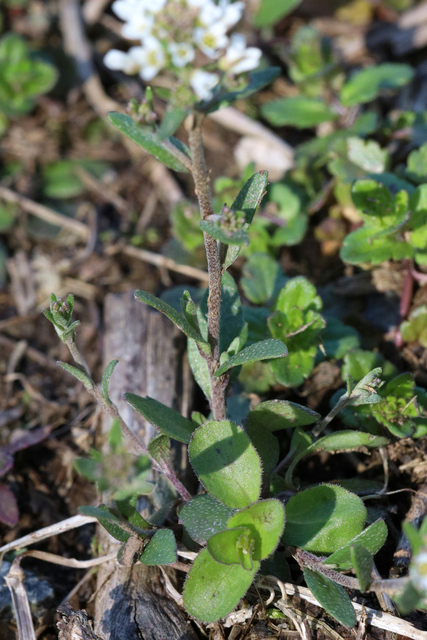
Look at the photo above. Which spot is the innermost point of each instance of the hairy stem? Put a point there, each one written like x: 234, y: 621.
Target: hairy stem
x: 310, y: 561
x: 201, y: 183
x: 111, y: 409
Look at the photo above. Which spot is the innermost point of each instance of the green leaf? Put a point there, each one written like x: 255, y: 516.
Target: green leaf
x: 363, y: 564
x: 106, y: 379
x: 297, y: 111
x: 172, y: 119
x: 281, y: 414
x: 259, y: 351
x: 409, y: 599
x: 22, y: 76
x: 332, y: 597
x: 371, y: 539
x: 106, y: 519
x: 226, y: 463
x: 358, y: 363
x: 86, y: 467
x: 257, y: 80
x: 150, y: 141
x: 233, y: 546
x: 180, y: 321
x: 367, y: 84
x: 189, y: 310
x: 159, y: 448
x: 298, y: 292
x: 212, y: 589
x: 414, y: 329
x: 161, y: 549
x: 77, y: 373
x: 362, y: 246
x: 167, y: 420
x: 265, y: 520
x: 262, y: 277
x: 61, y: 178
x: 239, y: 237
x: 248, y: 200
x: 266, y: 445
x: 338, y: 338
x: 367, y: 154
x: 232, y: 322
x: 203, y: 516
x: 271, y: 11
x: 323, y: 518
x: 336, y: 443
x: 296, y: 320
x: 292, y: 218
x: 199, y: 367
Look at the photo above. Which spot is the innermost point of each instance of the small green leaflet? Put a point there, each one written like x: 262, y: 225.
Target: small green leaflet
x: 331, y: 596
x: 161, y: 549
x: 77, y: 373
x: 180, y: 321
x: 263, y: 350
x: 248, y: 200
x: 167, y: 420
x: 151, y: 141
x: 257, y: 80
x: 271, y: 11
x: 239, y: 237
x: 106, y: 379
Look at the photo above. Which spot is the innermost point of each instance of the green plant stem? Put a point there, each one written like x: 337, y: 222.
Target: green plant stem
x: 201, y: 183
x: 111, y: 409
x: 310, y: 561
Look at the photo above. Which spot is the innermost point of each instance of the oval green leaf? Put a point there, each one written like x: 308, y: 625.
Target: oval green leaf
x: 146, y: 138
x: 203, y: 516
x: 281, y: 414
x: 323, y: 519
x: 265, y: 520
x: 167, y: 420
x: 264, y: 350
x: 331, y: 596
x: 372, y: 539
x: 160, y: 550
x: 226, y: 463
x: 212, y: 589
x: 366, y: 85
x: 226, y: 547
x: 297, y: 111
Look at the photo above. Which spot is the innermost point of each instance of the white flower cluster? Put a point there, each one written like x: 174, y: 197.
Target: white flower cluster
x: 174, y: 33
x: 418, y: 570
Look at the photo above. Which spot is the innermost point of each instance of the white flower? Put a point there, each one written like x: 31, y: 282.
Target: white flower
x: 126, y: 9
x: 210, y: 39
x: 203, y: 83
x: 196, y: 3
x: 418, y: 570
x: 230, y: 13
x: 181, y: 52
x: 156, y: 5
x: 238, y: 58
x: 128, y: 62
x: 151, y: 58
x: 210, y: 14
x: 139, y: 26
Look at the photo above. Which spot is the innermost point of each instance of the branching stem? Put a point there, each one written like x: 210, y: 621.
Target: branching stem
x: 111, y: 409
